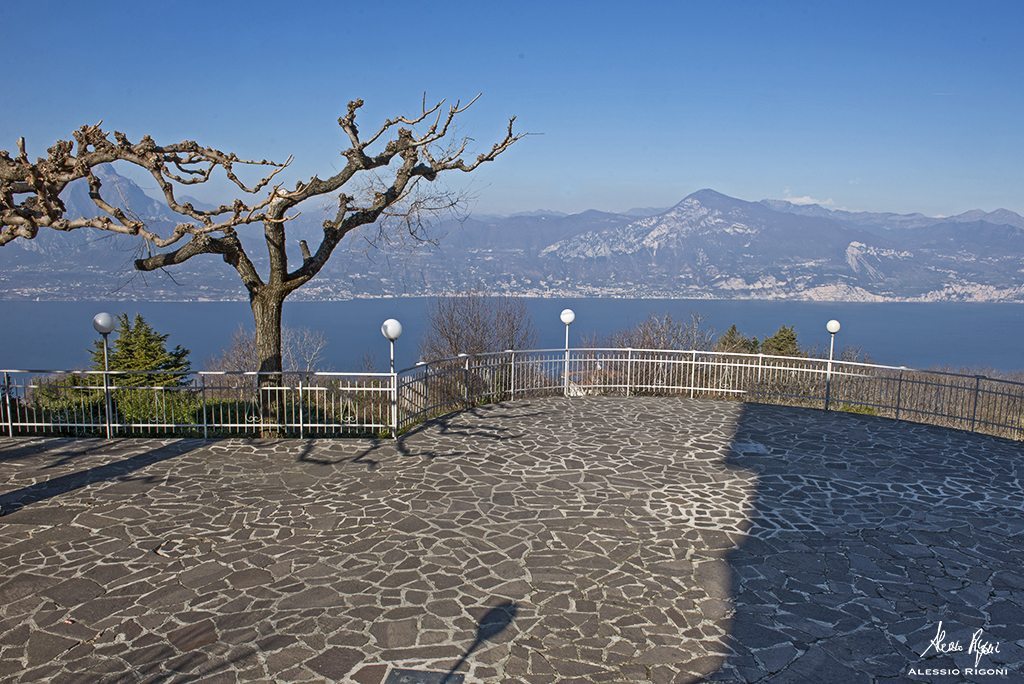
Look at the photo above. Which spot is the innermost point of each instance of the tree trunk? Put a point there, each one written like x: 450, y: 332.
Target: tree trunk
x: 266, y: 310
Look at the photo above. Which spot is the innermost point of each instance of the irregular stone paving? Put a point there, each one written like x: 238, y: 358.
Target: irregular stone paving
x: 583, y: 540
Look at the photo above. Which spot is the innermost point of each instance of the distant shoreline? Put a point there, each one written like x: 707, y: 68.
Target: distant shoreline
x: 567, y: 295
x: 58, y: 334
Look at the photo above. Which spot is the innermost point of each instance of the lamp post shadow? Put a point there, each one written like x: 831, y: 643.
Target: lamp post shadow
x: 494, y: 622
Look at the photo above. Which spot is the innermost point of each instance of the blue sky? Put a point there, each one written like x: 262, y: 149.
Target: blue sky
x: 884, y: 106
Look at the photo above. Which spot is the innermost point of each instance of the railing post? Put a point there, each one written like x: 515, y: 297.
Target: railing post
x: 974, y: 408
x: 394, y: 405
x: 202, y: 399
x: 629, y: 369
x: 565, y: 367
x: 301, y: 414
x: 426, y: 389
x: 465, y: 382
x: 693, y: 371
x: 7, y: 404
x: 828, y: 385
x: 899, y: 394
x: 512, y: 374
x: 106, y: 402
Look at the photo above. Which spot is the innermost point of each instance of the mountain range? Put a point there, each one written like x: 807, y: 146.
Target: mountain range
x: 709, y: 245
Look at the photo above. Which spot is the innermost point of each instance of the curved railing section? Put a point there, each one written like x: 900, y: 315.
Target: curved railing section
x: 324, y: 404
x: 969, y: 402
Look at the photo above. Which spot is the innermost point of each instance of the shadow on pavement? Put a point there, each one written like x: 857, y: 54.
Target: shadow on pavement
x: 494, y: 622
x: 17, y: 499
x: 65, y: 448
x: 864, y: 534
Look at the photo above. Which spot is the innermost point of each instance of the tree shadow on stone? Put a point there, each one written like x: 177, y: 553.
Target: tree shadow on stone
x: 67, y: 456
x: 362, y: 456
x: 369, y: 456
x: 461, y: 424
x: 119, y: 471
x: 65, y: 449
x: 193, y: 665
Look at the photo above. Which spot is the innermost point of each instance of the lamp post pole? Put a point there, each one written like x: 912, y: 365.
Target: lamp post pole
x: 103, y: 323
x: 567, y: 316
x: 392, y: 330
x: 106, y: 383
x: 833, y: 327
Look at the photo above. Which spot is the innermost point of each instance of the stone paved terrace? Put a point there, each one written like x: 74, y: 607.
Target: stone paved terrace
x: 585, y: 540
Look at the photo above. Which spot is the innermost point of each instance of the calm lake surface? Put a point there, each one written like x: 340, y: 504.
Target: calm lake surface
x: 58, y: 334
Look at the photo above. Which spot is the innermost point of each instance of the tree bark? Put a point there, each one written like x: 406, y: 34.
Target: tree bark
x: 267, y: 305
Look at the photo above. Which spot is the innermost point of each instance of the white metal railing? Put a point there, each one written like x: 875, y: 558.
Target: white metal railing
x: 338, y: 404
x: 972, y: 402
x: 205, y: 403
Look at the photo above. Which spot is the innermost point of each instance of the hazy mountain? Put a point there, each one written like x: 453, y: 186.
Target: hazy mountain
x: 708, y: 245
x: 539, y: 213
x: 868, y: 219
x: 713, y: 245
x: 1002, y: 217
x: 891, y: 221
x: 641, y: 212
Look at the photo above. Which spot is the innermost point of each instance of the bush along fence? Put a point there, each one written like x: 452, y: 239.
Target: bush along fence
x: 203, y: 404
x: 322, y: 404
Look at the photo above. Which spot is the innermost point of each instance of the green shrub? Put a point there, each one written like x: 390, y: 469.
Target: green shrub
x: 67, y: 397
x: 156, y: 406
x: 862, y: 410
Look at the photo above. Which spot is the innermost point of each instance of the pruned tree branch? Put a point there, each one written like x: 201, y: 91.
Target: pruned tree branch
x: 419, y: 160
x: 30, y: 192
x: 403, y: 155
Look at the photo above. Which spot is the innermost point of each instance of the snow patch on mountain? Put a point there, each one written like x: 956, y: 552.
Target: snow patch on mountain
x: 973, y: 292
x: 669, y: 230
x: 763, y: 284
x: 838, y: 292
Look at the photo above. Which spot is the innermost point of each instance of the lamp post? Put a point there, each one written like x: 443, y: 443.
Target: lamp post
x: 103, y: 323
x: 567, y: 316
x: 833, y: 327
x: 392, y: 330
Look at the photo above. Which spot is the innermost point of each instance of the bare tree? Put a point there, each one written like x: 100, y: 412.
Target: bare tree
x: 394, y: 160
x: 475, y: 324
x: 664, y: 332
x: 302, y: 350
x: 239, y: 355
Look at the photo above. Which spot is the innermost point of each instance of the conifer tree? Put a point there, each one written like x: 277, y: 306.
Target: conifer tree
x: 782, y: 343
x: 138, y: 347
x: 733, y: 341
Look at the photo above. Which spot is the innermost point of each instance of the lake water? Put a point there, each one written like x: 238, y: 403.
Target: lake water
x: 58, y: 334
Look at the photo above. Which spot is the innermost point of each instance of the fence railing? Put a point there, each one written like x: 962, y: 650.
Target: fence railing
x: 338, y: 404
x: 207, y: 404
x: 971, y: 402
